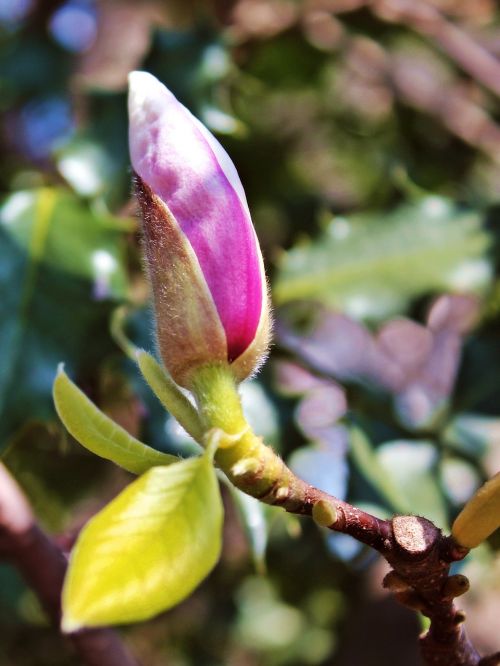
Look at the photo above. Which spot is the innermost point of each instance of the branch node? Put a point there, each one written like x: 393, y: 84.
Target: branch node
x: 282, y: 493
x: 411, y: 599
x: 395, y: 583
x: 324, y: 513
x: 455, y: 586
x: 414, y: 535
x: 451, y: 551
x: 246, y: 467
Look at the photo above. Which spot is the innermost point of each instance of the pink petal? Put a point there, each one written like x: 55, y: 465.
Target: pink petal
x: 190, y: 171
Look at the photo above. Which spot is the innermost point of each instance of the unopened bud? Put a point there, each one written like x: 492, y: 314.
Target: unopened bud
x: 202, y: 252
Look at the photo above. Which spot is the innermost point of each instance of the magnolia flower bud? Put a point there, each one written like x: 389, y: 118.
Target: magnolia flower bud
x: 202, y: 252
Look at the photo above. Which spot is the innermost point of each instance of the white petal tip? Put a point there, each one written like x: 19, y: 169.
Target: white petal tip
x: 139, y: 87
x: 69, y: 625
x: 143, y: 86
x: 138, y: 78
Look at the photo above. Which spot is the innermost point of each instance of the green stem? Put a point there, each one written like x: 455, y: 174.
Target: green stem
x: 251, y: 466
x: 169, y: 394
x: 413, y: 546
x: 258, y: 471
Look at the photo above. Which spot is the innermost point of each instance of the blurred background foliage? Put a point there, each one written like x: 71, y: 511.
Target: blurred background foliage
x: 367, y: 136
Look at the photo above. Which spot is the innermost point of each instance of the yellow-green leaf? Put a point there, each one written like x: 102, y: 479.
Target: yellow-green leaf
x: 98, y: 433
x: 480, y: 517
x: 148, y: 549
x: 170, y: 396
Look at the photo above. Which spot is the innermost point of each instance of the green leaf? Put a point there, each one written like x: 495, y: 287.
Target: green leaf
x: 473, y: 434
x: 369, y: 465
x: 148, y: 549
x: 98, y: 433
x: 170, y: 396
x: 404, y: 474
x: 370, y: 265
x: 411, y: 466
x: 62, y: 270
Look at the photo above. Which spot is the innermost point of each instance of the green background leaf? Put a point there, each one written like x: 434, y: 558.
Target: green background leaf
x: 365, y: 458
x: 411, y: 466
x: 45, y: 463
x: 62, y: 267
x: 148, y: 549
x: 370, y: 265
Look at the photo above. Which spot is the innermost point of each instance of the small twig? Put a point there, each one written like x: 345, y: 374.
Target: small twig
x: 418, y: 552
x: 416, y: 85
x: 457, y: 44
x: 414, y: 80
x: 421, y: 557
x: 43, y: 565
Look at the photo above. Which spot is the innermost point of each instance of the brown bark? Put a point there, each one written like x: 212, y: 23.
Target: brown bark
x: 419, y: 554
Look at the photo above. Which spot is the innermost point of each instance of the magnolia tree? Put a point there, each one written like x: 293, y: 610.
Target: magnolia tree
x: 152, y: 545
